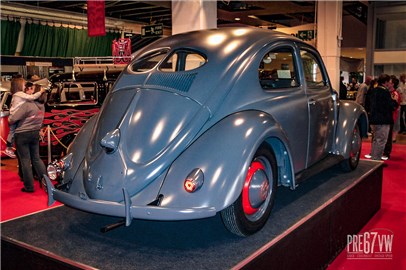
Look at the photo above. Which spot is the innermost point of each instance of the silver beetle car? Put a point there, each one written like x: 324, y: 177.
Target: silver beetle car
x: 209, y: 122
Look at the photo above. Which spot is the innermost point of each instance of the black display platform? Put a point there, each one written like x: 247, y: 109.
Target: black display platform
x: 307, y: 229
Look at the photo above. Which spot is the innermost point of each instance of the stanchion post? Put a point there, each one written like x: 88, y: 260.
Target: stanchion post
x: 49, y: 144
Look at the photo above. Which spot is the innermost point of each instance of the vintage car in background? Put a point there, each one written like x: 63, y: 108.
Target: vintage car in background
x: 209, y: 122
x: 74, y: 98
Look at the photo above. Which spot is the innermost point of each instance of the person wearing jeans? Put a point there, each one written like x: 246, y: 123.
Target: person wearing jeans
x: 19, y: 96
x: 381, y: 105
x: 29, y: 118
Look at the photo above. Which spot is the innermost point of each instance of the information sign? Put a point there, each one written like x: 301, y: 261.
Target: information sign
x: 155, y: 30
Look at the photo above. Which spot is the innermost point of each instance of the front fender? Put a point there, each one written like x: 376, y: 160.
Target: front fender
x: 78, y: 149
x: 350, y: 115
x: 223, y: 153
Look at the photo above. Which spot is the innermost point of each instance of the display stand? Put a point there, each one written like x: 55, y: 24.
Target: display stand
x: 308, y: 228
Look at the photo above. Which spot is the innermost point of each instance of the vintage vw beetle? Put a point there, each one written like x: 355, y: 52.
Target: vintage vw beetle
x: 209, y: 122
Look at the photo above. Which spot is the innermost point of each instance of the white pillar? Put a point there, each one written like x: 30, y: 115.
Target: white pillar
x: 193, y: 15
x: 20, y: 41
x: 329, y: 29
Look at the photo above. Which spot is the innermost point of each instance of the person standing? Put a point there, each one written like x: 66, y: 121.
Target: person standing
x: 354, y: 84
x: 381, y: 107
x: 343, y: 89
x: 29, y: 117
x: 402, y: 92
x: 18, y: 98
x: 393, y: 85
x: 362, y: 91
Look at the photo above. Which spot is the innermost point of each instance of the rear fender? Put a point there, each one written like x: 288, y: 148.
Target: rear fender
x: 223, y: 153
x: 78, y: 149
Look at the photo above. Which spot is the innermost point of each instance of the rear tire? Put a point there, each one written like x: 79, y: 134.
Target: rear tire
x: 249, y: 213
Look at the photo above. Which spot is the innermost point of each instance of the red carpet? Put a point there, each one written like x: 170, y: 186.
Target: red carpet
x: 392, y: 216
x: 15, y: 203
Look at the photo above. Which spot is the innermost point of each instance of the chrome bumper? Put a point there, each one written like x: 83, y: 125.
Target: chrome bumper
x: 125, y: 209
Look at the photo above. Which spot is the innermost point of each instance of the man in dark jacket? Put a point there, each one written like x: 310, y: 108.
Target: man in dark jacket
x: 381, y: 107
x: 343, y: 89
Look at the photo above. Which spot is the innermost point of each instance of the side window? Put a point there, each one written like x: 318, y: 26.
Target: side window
x: 311, y: 69
x: 278, y: 70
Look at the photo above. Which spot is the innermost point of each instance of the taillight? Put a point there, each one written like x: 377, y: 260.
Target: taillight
x: 194, y: 181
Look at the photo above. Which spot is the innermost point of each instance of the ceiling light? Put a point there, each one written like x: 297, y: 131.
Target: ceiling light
x: 237, y: 19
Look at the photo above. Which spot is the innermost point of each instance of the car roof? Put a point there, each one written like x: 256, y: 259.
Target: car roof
x: 222, y: 41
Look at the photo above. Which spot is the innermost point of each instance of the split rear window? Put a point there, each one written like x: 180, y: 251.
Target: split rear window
x: 179, y: 60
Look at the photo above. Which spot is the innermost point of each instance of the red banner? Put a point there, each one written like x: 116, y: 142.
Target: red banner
x: 96, y: 23
x: 121, y: 51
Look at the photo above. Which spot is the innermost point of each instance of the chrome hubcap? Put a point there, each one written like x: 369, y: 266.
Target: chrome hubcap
x: 256, y: 191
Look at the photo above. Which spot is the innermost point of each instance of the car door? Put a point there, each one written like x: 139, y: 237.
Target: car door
x: 320, y: 105
x: 285, y: 97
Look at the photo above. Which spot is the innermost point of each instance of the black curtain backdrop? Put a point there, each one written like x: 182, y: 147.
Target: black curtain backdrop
x: 9, y: 36
x: 54, y: 41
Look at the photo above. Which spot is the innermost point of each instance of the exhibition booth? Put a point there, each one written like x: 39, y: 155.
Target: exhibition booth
x: 186, y: 149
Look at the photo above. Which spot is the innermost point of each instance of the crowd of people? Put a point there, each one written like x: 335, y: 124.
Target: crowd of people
x: 384, y: 99
x: 25, y: 121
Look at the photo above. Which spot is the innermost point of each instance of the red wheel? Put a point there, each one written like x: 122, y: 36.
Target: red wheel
x: 256, y: 189
x: 250, y: 212
x: 355, y: 146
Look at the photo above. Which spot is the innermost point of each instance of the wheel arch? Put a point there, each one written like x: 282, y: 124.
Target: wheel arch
x: 224, y: 158
x: 351, y: 114
x: 286, y: 175
x: 78, y: 147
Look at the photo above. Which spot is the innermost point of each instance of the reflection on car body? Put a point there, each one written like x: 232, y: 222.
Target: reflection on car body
x: 210, y: 122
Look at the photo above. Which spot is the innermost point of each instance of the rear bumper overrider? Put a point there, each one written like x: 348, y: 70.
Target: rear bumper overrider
x: 125, y: 209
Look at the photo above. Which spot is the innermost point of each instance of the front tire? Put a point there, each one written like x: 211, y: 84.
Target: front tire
x: 249, y: 213
x: 355, y: 145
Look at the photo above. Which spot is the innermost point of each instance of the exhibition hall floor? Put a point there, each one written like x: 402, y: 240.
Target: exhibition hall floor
x: 391, y: 217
